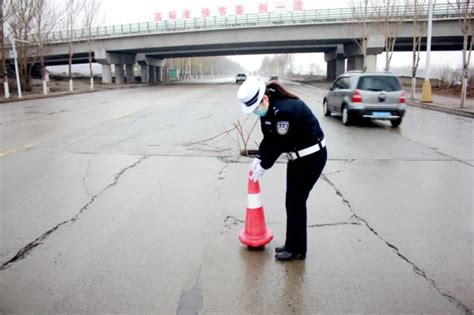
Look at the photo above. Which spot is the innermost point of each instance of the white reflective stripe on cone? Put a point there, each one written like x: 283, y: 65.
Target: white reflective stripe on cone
x: 253, y: 201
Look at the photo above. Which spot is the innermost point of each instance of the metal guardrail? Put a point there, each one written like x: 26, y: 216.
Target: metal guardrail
x: 440, y: 11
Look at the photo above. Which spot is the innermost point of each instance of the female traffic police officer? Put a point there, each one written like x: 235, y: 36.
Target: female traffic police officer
x: 288, y: 125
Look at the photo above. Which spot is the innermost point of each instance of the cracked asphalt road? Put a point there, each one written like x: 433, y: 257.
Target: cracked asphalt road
x: 125, y: 201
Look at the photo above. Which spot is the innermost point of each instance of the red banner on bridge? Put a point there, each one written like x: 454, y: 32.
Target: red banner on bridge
x: 186, y: 14
x: 297, y: 5
x: 263, y: 7
x: 239, y: 9
x: 172, y: 15
x: 222, y: 11
x: 205, y: 12
x: 158, y: 17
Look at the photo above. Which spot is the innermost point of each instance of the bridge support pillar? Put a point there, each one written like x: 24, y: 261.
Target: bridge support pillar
x: 150, y: 68
x: 355, y: 55
x: 106, y: 59
x: 130, y: 75
x: 151, y: 74
x: 355, y: 63
x: 335, y: 59
x: 335, y: 68
x: 158, y: 74
x: 106, y: 74
x: 144, y: 73
x: 119, y: 74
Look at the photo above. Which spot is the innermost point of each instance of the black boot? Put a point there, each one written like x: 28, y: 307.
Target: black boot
x: 280, y: 249
x: 286, y: 256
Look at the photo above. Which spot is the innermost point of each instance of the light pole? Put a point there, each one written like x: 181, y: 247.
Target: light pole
x: 426, y: 93
x: 15, y: 57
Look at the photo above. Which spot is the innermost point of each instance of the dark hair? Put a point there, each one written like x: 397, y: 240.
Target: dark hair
x: 276, y: 90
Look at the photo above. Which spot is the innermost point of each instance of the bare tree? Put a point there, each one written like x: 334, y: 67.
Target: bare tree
x: 199, y: 66
x: 91, y: 13
x: 290, y: 63
x: 314, y: 69
x: 44, y: 17
x: 6, y: 88
x: 390, y: 13
x: 419, y: 28
x: 73, y: 10
x: 365, y: 20
x: 19, y: 17
x: 445, y: 75
x: 281, y: 64
x: 465, y: 9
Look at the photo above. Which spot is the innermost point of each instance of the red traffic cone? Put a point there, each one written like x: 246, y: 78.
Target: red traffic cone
x: 255, y: 233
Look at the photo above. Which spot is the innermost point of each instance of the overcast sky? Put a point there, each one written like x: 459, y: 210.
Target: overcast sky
x: 122, y: 12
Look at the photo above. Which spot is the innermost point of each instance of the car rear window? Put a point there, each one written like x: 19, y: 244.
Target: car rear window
x: 379, y: 83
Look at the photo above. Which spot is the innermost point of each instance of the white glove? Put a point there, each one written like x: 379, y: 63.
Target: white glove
x: 254, y: 164
x: 257, y: 173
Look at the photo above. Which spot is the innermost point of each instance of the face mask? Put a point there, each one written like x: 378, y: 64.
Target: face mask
x: 261, y: 110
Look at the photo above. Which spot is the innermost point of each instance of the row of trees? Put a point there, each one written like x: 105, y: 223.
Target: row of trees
x: 280, y: 64
x: 28, y: 22
x: 387, y: 18
x: 203, y: 66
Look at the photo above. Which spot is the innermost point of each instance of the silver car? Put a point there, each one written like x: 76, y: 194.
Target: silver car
x: 357, y: 95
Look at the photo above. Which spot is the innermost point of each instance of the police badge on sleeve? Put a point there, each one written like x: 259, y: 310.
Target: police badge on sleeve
x: 282, y: 127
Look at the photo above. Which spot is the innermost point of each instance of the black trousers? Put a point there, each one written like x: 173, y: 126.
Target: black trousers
x: 301, y: 175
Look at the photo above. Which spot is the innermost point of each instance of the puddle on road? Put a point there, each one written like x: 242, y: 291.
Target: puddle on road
x: 190, y: 302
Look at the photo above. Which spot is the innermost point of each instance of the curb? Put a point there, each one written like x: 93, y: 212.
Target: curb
x: 61, y: 94
x: 453, y: 111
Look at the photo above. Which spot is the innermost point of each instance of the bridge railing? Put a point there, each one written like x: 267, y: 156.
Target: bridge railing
x: 440, y: 11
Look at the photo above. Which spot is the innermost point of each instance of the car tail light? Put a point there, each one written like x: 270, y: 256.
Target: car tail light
x: 402, y: 98
x: 356, y: 97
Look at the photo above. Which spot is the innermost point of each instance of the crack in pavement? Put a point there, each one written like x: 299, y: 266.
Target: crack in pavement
x: 200, y: 118
x: 343, y: 166
x: 436, y: 150
x: 22, y: 253
x: 99, y: 128
x: 416, y: 269
x: 334, y: 224
x: 231, y: 220
x: 212, y: 149
x: 86, y: 175
x: 59, y: 112
x: 222, y: 172
x: 35, y: 116
x: 221, y: 175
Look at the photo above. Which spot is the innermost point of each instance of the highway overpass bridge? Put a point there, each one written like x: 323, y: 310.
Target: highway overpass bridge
x: 331, y: 31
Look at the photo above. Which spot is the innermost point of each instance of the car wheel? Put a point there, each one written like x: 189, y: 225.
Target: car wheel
x: 326, y: 110
x: 346, y: 116
x: 396, y: 122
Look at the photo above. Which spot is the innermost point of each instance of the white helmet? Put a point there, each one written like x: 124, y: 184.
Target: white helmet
x: 250, y: 94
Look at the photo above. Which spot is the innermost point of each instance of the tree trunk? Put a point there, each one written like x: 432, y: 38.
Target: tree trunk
x: 413, y: 87
x: 4, y: 67
x: 91, y: 73
x: 43, y: 71
x: 466, y: 28
x: 364, y: 54
x: 464, y: 91
x: 413, y: 77
x: 71, y: 88
x: 464, y: 86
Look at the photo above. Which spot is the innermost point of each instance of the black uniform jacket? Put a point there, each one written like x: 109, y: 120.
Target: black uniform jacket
x: 289, y: 125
